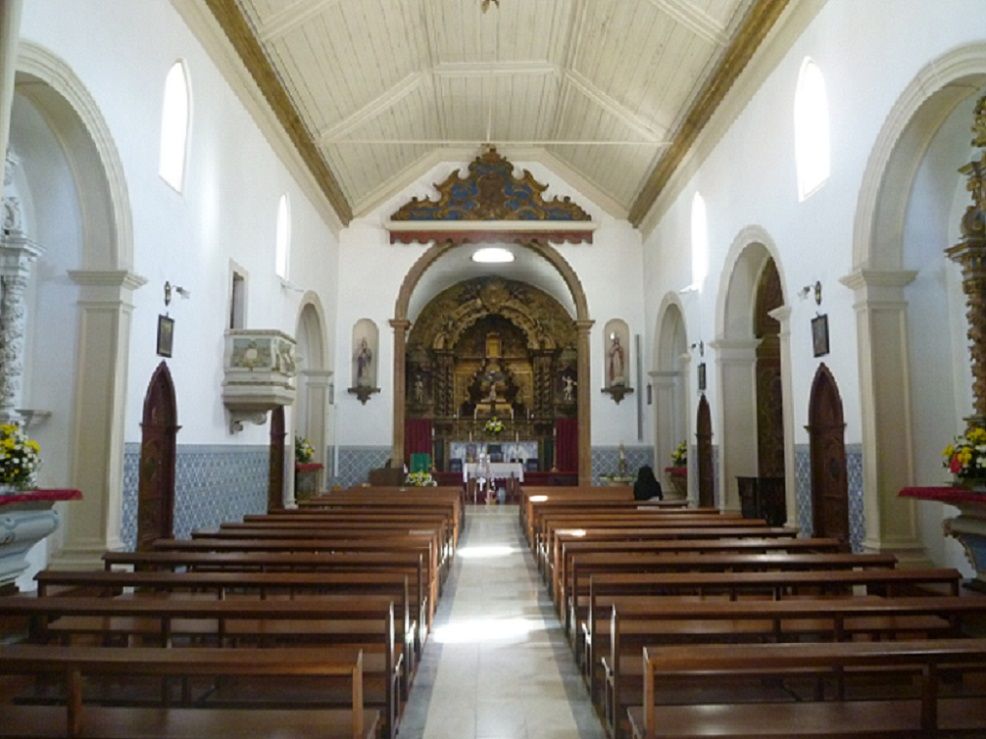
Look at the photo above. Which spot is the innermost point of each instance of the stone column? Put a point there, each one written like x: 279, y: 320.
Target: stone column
x: 783, y: 316
x: 17, y: 255
x: 665, y: 386
x: 584, y: 410
x: 401, y: 325
x: 885, y: 411
x: 10, y: 27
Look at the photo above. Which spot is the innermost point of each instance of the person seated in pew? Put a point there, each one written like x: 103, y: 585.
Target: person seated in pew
x: 646, y: 485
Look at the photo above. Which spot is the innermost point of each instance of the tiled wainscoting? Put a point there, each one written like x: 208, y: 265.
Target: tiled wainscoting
x: 854, y: 469
x: 355, y: 463
x: 606, y: 460
x: 213, y: 483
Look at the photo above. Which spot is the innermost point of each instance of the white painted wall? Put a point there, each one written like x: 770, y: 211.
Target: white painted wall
x: 227, y: 210
x: 749, y: 178
x: 372, y: 270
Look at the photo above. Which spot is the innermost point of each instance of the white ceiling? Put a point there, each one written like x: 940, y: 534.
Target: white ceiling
x: 600, y: 84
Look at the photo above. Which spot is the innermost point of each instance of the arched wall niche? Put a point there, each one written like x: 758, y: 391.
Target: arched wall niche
x: 881, y: 281
x: 401, y: 324
x: 105, y: 284
x: 735, y: 349
x: 670, y: 382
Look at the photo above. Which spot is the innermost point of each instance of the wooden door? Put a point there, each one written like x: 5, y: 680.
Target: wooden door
x: 156, y: 486
x: 829, y: 478
x: 703, y: 437
x: 275, y: 479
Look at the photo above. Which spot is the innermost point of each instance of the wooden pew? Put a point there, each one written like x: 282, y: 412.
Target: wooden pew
x: 311, y: 622
x: 76, y: 719
x: 567, y: 547
x: 416, y: 544
x: 409, y: 563
x: 670, y: 620
x: 583, y: 565
x: 223, y: 584
x: 924, y: 713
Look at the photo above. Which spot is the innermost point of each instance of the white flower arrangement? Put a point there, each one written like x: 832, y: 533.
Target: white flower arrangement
x: 494, y: 426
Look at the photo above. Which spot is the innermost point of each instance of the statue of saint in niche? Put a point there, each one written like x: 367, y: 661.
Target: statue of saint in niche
x: 616, y: 366
x: 364, y: 359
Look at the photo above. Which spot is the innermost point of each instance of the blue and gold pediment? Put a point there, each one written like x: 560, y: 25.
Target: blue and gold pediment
x: 490, y: 192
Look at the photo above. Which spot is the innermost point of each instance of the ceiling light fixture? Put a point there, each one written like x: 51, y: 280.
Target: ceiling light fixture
x: 492, y: 255
x: 485, y: 5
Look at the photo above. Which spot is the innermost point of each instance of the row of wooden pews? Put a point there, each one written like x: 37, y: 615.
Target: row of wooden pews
x: 298, y: 623
x: 691, y: 622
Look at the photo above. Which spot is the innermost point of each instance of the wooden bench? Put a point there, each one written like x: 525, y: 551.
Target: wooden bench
x: 575, y: 593
x: 924, y: 713
x: 409, y: 563
x: 671, y: 621
x: 390, y: 545
x: 366, y: 622
x: 77, y: 719
x: 223, y: 584
x: 566, y: 548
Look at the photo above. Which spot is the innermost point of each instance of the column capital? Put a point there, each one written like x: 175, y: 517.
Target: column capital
x: 584, y: 324
x: 402, y: 324
x: 878, y: 286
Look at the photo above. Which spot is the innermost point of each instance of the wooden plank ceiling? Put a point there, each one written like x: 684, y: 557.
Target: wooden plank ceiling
x: 608, y: 87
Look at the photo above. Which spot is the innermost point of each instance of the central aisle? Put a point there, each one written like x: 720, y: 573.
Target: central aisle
x: 497, y: 665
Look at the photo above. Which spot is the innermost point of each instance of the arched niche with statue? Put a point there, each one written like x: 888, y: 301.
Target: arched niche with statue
x: 365, y: 347
x: 616, y: 359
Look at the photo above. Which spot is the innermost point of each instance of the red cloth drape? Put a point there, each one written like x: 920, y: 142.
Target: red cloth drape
x: 567, y: 444
x: 417, y: 437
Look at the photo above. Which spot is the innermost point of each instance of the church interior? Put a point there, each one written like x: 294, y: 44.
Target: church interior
x: 469, y: 259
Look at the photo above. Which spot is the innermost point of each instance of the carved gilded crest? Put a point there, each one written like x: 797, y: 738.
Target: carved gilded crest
x: 490, y: 192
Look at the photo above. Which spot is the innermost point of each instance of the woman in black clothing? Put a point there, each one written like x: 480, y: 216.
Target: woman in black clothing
x: 647, y: 486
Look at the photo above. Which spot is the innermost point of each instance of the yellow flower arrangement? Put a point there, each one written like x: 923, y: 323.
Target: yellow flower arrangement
x: 965, y: 457
x: 420, y: 479
x: 679, y: 457
x: 20, y: 456
x: 494, y: 426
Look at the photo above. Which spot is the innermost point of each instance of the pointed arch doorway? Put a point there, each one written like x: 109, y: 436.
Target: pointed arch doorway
x: 703, y: 438
x: 156, y: 487
x: 829, y: 478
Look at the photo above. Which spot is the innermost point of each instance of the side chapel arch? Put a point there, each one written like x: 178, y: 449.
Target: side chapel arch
x: 879, y: 280
x: 670, y: 380
x: 106, y: 284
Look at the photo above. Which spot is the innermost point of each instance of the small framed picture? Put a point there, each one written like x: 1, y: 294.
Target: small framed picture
x: 820, y: 335
x: 701, y: 376
x: 165, y: 335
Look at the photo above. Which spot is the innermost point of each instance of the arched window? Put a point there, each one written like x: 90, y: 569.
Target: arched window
x: 174, y: 126
x: 811, y: 130
x: 282, y: 247
x: 700, y: 241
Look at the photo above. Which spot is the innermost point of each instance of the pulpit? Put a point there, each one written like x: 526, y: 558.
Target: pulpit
x: 969, y: 527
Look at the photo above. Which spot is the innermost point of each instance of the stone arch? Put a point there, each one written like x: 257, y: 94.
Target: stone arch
x: 401, y: 323
x: 670, y: 380
x: 311, y: 407
x: 735, y: 347
x: 106, y: 284
x: 879, y: 280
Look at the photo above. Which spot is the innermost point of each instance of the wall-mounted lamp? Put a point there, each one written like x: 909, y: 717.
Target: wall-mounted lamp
x: 168, y: 288
x: 817, y: 288
x: 701, y: 348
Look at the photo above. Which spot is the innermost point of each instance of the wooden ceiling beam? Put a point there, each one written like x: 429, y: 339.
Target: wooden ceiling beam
x: 642, y: 126
x: 693, y: 19
x: 287, y: 19
x: 755, y: 26
x: 375, y: 107
x: 240, y: 34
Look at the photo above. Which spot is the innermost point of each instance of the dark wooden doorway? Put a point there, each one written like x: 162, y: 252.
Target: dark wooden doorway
x: 156, y: 486
x: 275, y: 480
x: 829, y: 479
x: 703, y: 437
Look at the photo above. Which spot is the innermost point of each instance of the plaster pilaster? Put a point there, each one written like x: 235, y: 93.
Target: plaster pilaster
x: 401, y: 325
x: 10, y: 27
x: 736, y: 373
x: 583, y: 327
x: 885, y: 410
x: 105, y: 309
